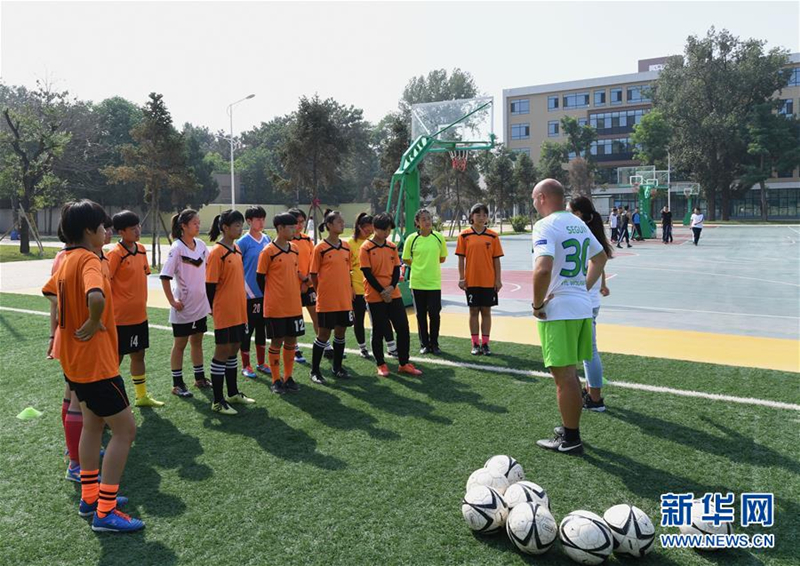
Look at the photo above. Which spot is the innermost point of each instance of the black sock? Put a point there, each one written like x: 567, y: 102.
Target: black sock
x: 217, y: 379
x: 338, y: 353
x: 177, y: 378
x: 199, y: 373
x: 231, y: 368
x: 572, y: 434
x: 316, y: 354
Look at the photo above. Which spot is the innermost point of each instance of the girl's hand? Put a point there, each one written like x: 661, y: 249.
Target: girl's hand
x: 462, y: 284
x: 89, y: 328
x: 605, y: 291
x: 50, y: 348
x: 498, y: 285
x: 177, y: 305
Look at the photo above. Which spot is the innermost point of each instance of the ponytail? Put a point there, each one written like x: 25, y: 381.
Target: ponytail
x: 362, y: 219
x: 225, y: 218
x: 584, y: 207
x: 213, y: 234
x: 328, y: 217
x: 178, y: 220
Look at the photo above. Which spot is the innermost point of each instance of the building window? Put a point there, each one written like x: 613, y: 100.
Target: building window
x: 520, y: 107
x: 794, y: 78
x: 599, y: 98
x: 582, y: 122
x: 638, y: 94
x: 612, y: 149
x: 552, y: 129
x: 578, y: 100
x: 616, y: 96
x: 552, y: 103
x: 520, y: 131
x: 621, y: 122
x: 525, y: 150
x: 787, y: 107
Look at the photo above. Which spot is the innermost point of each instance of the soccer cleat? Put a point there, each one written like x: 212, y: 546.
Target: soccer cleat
x: 409, y: 369
x: 291, y: 385
x: 247, y: 371
x: 341, y: 373
x: 116, y: 522
x: 147, y: 401
x: 436, y: 351
x: 591, y: 405
x: 202, y: 383
x: 559, y: 444
x: 485, y: 350
x: 86, y: 510
x: 298, y: 357
x: 73, y: 474
x: 223, y: 408
x: 317, y: 378
x: 181, y: 391
x: 240, y: 399
x: 558, y: 431
x: 265, y: 368
x: 393, y: 353
x: 383, y: 370
x: 424, y: 350
x: 476, y: 350
x: 328, y: 354
x: 365, y: 354
x: 277, y: 387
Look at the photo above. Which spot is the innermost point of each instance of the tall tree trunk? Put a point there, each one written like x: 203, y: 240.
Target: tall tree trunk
x: 711, y: 202
x: 724, y: 202
x: 153, y: 221
x: 24, y: 229
x: 764, y: 210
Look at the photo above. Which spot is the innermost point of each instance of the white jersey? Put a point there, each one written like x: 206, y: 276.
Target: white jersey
x: 186, y: 269
x: 612, y: 220
x: 697, y: 221
x: 568, y: 240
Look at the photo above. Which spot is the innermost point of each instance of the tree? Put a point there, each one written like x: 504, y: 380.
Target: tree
x: 206, y: 188
x: 773, y: 145
x: 33, y: 137
x: 579, y: 138
x: 391, y: 138
x: 552, y: 158
x: 525, y: 178
x: 499, y: 178
x: 706, y: 96
x: 157, y: 158
x: 651, y: 138
x: 259, y: 162
x: 436, y: 86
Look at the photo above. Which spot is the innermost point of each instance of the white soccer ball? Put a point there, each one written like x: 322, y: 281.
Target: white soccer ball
x: 524, y: 492
x: 531, y: 528
x: 585, y: 537
x: 700, y: 527
x: 506, y: 466
x: 487, y: 477
x: 632, y: 530
x: 484, y: 510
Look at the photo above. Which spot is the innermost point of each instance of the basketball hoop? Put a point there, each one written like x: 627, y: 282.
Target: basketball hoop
x: 691, y: 190
x: 458, y: 159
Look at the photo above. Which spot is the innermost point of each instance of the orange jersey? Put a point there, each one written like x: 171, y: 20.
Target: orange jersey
x: 280, y: 268
x: 332, y: 266
x: 480, y: 250
x: 305, y: 249
x: 96, y: 359
x: 128, y: 272
x: 226, y: 268
x: 381, y: 260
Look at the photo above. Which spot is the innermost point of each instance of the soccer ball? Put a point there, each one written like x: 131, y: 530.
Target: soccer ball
x: 531, y: 528
x: 484, y: 510
x: 526, y: 491
x: 506, y: 466
x: 700, y: 527
x: 485, y: 476
x: 632, y: 530
x: 585, y: 537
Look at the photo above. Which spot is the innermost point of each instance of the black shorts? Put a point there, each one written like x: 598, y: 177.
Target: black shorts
x: 332, y: 319
x: 309, y: 298
x: 188, y: 328
x: 105, y: 398
x: 285, y: 327
x: 133, y: 338
x: 230, y: 335
x: 481, y: 297
x: 255, y: 309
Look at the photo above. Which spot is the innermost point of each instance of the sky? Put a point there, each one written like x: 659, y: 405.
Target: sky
x: 204, y: 55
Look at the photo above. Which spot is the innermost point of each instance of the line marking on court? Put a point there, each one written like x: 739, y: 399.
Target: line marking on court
x: 636, y: 307
x: 711, y: 274
x: 793, y: 230
x: 534, y: 373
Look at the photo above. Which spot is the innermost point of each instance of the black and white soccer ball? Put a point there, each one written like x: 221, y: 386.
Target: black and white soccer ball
x: 585, y: 537
x: 506, y: 466
x: 489, y: 478
x: 526, y: 492
x: 632, y: 529
x: 701, y: 527
x: 484, y: 510
x: 532, y: 528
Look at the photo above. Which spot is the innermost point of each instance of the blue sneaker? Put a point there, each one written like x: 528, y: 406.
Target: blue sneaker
x: 247, y: 371
x: 298, y: 357
x: 73, y: 474
x: 116, y: 522
x: 86, y: 510
x: 263, y: 368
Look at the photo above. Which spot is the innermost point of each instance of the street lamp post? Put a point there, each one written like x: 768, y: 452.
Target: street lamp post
x: 230, y: 113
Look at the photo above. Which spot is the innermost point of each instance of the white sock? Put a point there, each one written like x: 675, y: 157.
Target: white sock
x: 391, y: 345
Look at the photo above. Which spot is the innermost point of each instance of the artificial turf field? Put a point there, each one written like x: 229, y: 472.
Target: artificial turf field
x: 370, y: 471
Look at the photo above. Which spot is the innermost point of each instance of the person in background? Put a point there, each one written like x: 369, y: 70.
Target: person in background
x: 697, y: 224
x: 613, y: 219
x: 251, y: 245
x: 666, y: 225
x: 637, y: 225
x: 623, y: 229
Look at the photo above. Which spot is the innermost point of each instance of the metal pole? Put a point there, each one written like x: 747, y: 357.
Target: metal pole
x: 669, y: 186
x: 233, y: 193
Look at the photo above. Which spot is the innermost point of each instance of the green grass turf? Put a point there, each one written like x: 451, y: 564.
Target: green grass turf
x: 11, y: 253
x: 369, y: 471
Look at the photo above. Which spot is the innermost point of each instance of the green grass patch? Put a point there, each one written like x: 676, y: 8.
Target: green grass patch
x: 12, y: 253
x: 372, y: 471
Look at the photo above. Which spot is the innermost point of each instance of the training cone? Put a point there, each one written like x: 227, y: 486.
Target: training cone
x: 29, y: 413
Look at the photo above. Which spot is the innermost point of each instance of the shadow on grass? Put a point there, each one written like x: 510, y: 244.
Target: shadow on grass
x: 11, y: 330
x: 440, y: 384
x: 133, y: 548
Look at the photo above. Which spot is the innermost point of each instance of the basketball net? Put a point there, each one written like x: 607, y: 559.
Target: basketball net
x: 458, y: 159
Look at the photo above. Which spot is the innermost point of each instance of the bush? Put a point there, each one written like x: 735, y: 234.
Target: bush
x: 519, y: 223
x: 438, y: 223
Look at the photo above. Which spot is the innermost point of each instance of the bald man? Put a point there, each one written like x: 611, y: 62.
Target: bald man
x: 568, y: 260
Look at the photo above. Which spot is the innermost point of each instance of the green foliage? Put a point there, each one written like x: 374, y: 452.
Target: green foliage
x: 436, y: 86
x: 519, y: 223
x: 579, y: 138
x: 551, y: 162
x: 652, y: 137
x: 498, y: 174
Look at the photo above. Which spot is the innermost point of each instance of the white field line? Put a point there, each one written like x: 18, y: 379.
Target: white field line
x: 533, y: 373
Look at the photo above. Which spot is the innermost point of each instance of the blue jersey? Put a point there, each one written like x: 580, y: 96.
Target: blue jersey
x: 251, y: 249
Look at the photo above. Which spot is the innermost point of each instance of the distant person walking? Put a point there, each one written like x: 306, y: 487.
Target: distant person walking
x: 613, y: 220
x: 623, y: 229
x: 637, y: 225
x: 697, y: 224
x: 666, y: 225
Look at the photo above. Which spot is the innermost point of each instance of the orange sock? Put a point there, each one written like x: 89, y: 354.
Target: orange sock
x: 90, y: 488
x: 274, y: 356
x: 288, y: 360
x: 108, y: 499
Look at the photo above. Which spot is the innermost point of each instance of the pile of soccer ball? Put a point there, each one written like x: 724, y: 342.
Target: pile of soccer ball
x: 498, y: 496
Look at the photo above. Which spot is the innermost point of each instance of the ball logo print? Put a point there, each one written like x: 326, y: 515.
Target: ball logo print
x: 484, y: 510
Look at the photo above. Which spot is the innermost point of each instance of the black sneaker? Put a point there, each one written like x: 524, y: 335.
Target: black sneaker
x: 559, y: 444
x: 365, y: 354
x: 424, y: 350
x: 317, y: 378
x: 328, y: 354
x: 291, y: 385
x: 486, y: 351
x: 341, y: 373
x: 181, y: 391
x: 476, y: 350
x: 591, y: 405
x: 393, y: 353
x: 436, y: 351
x: 277, y: 387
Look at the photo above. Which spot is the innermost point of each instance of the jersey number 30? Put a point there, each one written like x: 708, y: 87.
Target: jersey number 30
x: 577, y: 257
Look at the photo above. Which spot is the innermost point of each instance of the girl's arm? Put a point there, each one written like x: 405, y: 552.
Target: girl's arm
x: 462, y: 284
x: 165, y: 285
x: 604, y: 290
x: 498, y: 283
